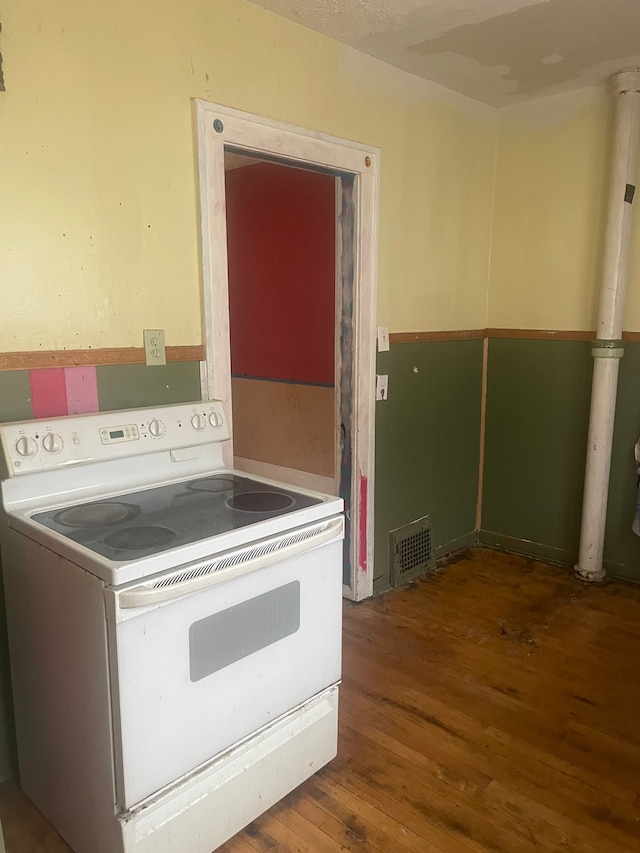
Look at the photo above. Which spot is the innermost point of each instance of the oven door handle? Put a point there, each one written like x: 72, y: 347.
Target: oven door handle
x: 143, y: 595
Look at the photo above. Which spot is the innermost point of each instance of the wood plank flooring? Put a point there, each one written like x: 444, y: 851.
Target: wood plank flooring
x: 491, y: 706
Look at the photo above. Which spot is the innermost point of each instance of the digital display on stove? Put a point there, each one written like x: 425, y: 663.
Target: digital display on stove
x: 116, y: 433
x: 138, y: 524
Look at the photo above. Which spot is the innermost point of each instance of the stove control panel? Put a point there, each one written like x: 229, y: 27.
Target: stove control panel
x: 56, y: 442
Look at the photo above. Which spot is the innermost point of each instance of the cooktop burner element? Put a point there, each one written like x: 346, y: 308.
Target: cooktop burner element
x: 139, y: 538
x: 149, y: 521
x: 90, y: 515
x: 260, y: 501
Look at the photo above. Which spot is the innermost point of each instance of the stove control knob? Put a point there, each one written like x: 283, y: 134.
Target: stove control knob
x: 26, y: 446
x: 216, y: 420
x: 52, y: 442
x: 198, y: 422
x: 156, y: 428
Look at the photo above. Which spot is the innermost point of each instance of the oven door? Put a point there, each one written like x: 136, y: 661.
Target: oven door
x: 201, y: 660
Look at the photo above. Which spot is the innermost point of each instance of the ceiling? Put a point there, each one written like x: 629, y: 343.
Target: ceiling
x: 499, y: 52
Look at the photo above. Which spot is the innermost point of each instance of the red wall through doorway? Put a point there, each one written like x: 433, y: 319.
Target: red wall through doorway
x: 281, y: 256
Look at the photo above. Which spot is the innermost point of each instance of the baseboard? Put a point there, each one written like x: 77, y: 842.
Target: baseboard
x: 9, y: 756
x: 619, y: 571
x: 468, y: 540
x: 547, y: 553
x: 381, y: 585
x: 510, y: 544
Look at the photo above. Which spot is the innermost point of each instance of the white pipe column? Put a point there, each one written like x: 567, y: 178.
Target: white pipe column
x: 608, y: 348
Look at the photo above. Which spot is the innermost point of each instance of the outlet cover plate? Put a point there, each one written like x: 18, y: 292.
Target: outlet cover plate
x: 154, y: 348
x: 382, y: 386
x: 383, y: 338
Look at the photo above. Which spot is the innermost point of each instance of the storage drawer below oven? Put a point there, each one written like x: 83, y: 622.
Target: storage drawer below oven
x: 194, y: 675
x: 210, y: 806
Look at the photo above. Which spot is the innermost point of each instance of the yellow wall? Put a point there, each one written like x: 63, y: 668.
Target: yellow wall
x: 550, y: 215
x: 99, y: 219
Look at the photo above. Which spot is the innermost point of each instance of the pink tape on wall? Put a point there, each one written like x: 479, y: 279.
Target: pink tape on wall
x: 363, y: 522
x: 48, y: 392
x: 82, y: 389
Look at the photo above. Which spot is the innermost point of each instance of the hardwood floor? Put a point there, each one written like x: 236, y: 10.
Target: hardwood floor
x: 491, y: 706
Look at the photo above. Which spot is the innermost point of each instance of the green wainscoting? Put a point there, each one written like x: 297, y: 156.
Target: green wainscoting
x: 535, y: 446
x: 130, y: 386
x: 15, y: 395
x: 621, y: 545
x: 428, y: 444
x: 120, y: 386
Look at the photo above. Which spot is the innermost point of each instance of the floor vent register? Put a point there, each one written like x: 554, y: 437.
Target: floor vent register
x: 412, y: 552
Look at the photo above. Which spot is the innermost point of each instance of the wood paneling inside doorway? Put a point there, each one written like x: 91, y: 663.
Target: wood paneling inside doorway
x: 285, y: 423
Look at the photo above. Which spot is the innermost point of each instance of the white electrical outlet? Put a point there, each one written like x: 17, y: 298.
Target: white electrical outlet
x: 382, y: 387
x: 383, y: 338
x: 154, y: 348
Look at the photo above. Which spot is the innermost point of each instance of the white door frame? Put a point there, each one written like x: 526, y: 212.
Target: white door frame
x: 219, y: 127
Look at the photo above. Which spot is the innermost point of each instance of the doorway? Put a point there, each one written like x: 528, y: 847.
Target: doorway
x: 354, y: 169
x: 283, y: 291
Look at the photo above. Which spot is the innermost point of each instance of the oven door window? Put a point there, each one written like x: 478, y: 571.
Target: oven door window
x: 196, y: 674
x: 223, y: 638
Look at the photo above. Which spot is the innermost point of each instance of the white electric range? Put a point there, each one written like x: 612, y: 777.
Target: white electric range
x: 174, y: 628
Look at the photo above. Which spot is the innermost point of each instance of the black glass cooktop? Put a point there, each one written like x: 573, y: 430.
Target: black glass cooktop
x: 138, y: 524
